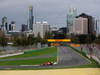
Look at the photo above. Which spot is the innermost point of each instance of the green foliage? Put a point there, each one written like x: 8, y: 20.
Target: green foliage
x: 38, y: 37
x: 48, y: 35
x: 75, y: 39
x: 24, y: 42
x: 82, y: 38
x: 30, y: 40
x: 97, y: 40
x: 3, y: 41
x: 92, y: 36
x: 19, y: 42
x: 44, y: 41
x: 88, y: 40
x: 45, y: 36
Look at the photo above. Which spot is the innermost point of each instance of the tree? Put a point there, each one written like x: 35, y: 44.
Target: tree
x: 25, y: 36
x: 19, y: 42
x: 97, y: 40
x: 88, y: 40
x: 75, y: 39
x: 82, y: 38
x: 67, y: 37
x: 49, y: 35
x: 38, y: 37
x: 24, y: 42
x: 92, y: 37
x: 15, y: 37
x: 30, y: 40
x: 44, y: 41
x: 46, y: 33
x: 3, y: 41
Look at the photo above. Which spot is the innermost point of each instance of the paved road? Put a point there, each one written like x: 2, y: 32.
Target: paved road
x: 66, y: 58
x: 36, y: 57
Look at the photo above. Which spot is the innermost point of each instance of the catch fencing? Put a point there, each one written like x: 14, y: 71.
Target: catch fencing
x: 11, y: 50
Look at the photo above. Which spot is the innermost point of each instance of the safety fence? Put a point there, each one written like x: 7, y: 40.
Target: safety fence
x: 12, y: 50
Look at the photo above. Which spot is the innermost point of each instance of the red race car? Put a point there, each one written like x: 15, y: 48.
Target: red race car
x: 47, y: 63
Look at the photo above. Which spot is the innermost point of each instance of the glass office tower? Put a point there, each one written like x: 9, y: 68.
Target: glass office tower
x: 98, y: 26
x: 70, y: 17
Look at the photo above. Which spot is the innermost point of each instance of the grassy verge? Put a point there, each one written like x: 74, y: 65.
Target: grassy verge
x: 28, y: 61
x: 37, y: 53
x: 94, y: 64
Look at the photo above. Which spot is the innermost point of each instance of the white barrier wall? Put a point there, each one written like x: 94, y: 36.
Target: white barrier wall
x: 7, y: 55
x: 96, y: 59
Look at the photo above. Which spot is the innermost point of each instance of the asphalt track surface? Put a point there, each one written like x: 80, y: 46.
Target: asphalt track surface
x: 66, y: 58
x: 36, y: 57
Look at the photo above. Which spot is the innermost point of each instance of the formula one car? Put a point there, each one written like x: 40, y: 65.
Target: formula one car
x: 47, y: 63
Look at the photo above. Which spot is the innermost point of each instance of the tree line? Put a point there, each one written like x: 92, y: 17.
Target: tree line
x: 84, y: 39
x: 24, y: 41
x: 31, y: 40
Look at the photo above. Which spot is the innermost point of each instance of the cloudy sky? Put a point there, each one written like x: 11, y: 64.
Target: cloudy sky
x: 53, y: 11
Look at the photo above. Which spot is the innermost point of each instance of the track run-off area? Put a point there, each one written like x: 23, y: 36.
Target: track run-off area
x: 66, y: 57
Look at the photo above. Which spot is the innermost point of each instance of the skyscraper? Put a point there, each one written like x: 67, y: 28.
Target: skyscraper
x: 91, y: 22
x: 98, y: 26
x: 12, y: 26
x: 41, y: 27
x: 24, y: 27
x: 4, y: 24
x: 70, y: 17
x: 80, y: 25
x: 31, y: 18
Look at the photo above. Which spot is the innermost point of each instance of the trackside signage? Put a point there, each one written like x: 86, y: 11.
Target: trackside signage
x: 73, y: 45
x: 54, y: 44
x: 59, y: 40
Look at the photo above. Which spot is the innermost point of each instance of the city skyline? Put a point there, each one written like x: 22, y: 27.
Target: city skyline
x: 52, y: 11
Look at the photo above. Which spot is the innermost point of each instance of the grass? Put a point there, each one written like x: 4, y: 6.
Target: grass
x: 37, y: 53
x: 94, y: 64
x: 28, y: 61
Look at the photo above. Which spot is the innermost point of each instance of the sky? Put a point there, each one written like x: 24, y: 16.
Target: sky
x: 52, y: 11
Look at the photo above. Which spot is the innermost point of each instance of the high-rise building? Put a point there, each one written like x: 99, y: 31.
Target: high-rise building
x: 24, y: 27
x: 41, y: 27
x: 12, y: 26
x: 4, y: 24
x: 98, y: 26
x: 31, y: 18
x: 9, y: 27
x: 63, y: 29
x: 71, y: 10
x: 91, y: 22
x: 70, y: 17
x: 80, y: 25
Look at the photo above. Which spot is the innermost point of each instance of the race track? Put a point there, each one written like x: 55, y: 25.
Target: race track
x: 66, y: 58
